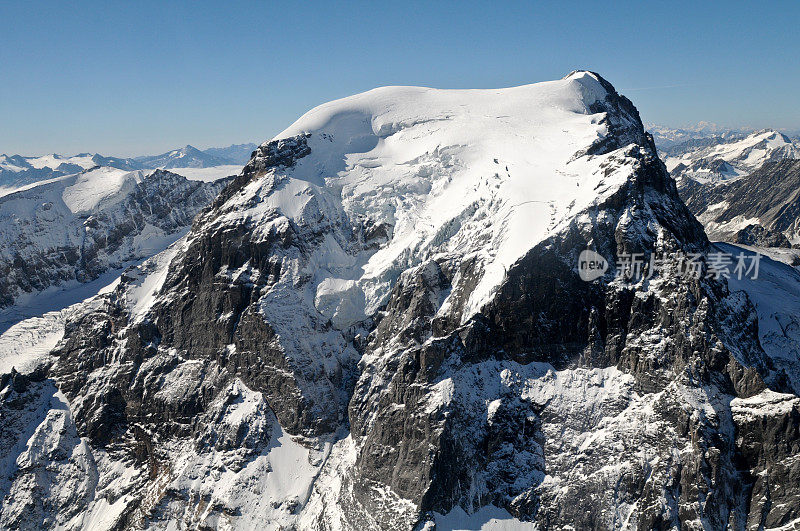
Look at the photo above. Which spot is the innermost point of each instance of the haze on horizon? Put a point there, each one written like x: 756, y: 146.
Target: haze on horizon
x: 144, y: 78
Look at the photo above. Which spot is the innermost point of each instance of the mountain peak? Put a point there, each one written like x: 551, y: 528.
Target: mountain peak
x: 720, y: 158
x: 186, y: 157
x: 448, y: 152
x: 771, y: 134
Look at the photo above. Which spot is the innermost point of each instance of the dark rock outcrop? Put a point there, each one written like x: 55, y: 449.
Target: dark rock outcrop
x: 770, y: 195
x: 759, y: 236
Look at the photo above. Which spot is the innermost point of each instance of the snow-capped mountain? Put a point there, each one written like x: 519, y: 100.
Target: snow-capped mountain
x: 185, y: 157
x: 380, y: 324
x: 742, y: 188
x: 75, y: 228
x: 695, y: 144
x: 17, y: 171
x: 724, y: 158
x: 762, y: 208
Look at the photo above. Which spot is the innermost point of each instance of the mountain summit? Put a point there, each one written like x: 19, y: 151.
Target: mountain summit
x: 724, y: 158
x: 380, y: 324
x: 185, y: 157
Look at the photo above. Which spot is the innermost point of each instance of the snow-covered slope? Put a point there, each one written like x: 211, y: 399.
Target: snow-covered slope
x: 486, y: 174
x: 74, y: 228
x: 379, y: 324
x: 730, y: 158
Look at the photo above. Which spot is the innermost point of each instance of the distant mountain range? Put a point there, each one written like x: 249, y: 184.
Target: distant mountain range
x: 17, y: 171
x: 742, y: 187
x: 185, y: 157
x: 76, y: 228
x: 762, y: 208
x: 236, y: 153
x: 727, y: 156
x: 666, y: 137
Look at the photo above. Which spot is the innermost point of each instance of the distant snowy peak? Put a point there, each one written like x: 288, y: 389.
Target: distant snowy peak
x: 14, y: 163
x: 82, y: 161
x: 730, y: 158
x: 185, y: 157
x: 114, y: 162
x: 236, y: 153
x: 761, y: 208
x: 17, y: 171
x: 667, y: 137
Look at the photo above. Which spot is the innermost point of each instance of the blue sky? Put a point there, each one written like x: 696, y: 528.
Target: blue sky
x: 130, y: 78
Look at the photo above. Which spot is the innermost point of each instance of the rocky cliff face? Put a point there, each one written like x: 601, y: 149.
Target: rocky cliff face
x: 379, y: 324
x: 759, y: 209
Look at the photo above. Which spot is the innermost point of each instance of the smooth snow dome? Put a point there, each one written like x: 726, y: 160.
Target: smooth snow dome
x: 99, y: 188
x: 488, y: 172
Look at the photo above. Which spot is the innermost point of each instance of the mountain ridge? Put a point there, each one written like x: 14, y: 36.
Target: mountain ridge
x: 17, y: 171
x: 75, y: 228
x: 726, y: 158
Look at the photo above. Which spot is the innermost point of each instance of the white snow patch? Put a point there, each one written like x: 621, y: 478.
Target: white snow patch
x: 342, y: 301
x: 100, y: 188
x: 148, y: 278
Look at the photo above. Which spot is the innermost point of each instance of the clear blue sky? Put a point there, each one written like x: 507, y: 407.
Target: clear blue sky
x: 130, y: 78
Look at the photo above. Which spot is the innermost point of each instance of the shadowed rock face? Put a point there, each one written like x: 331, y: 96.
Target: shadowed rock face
x: 769, y: 195
x: 759, y: 236
x: 604, y: 404
x: 214, y: 320
x: 544, y: 314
